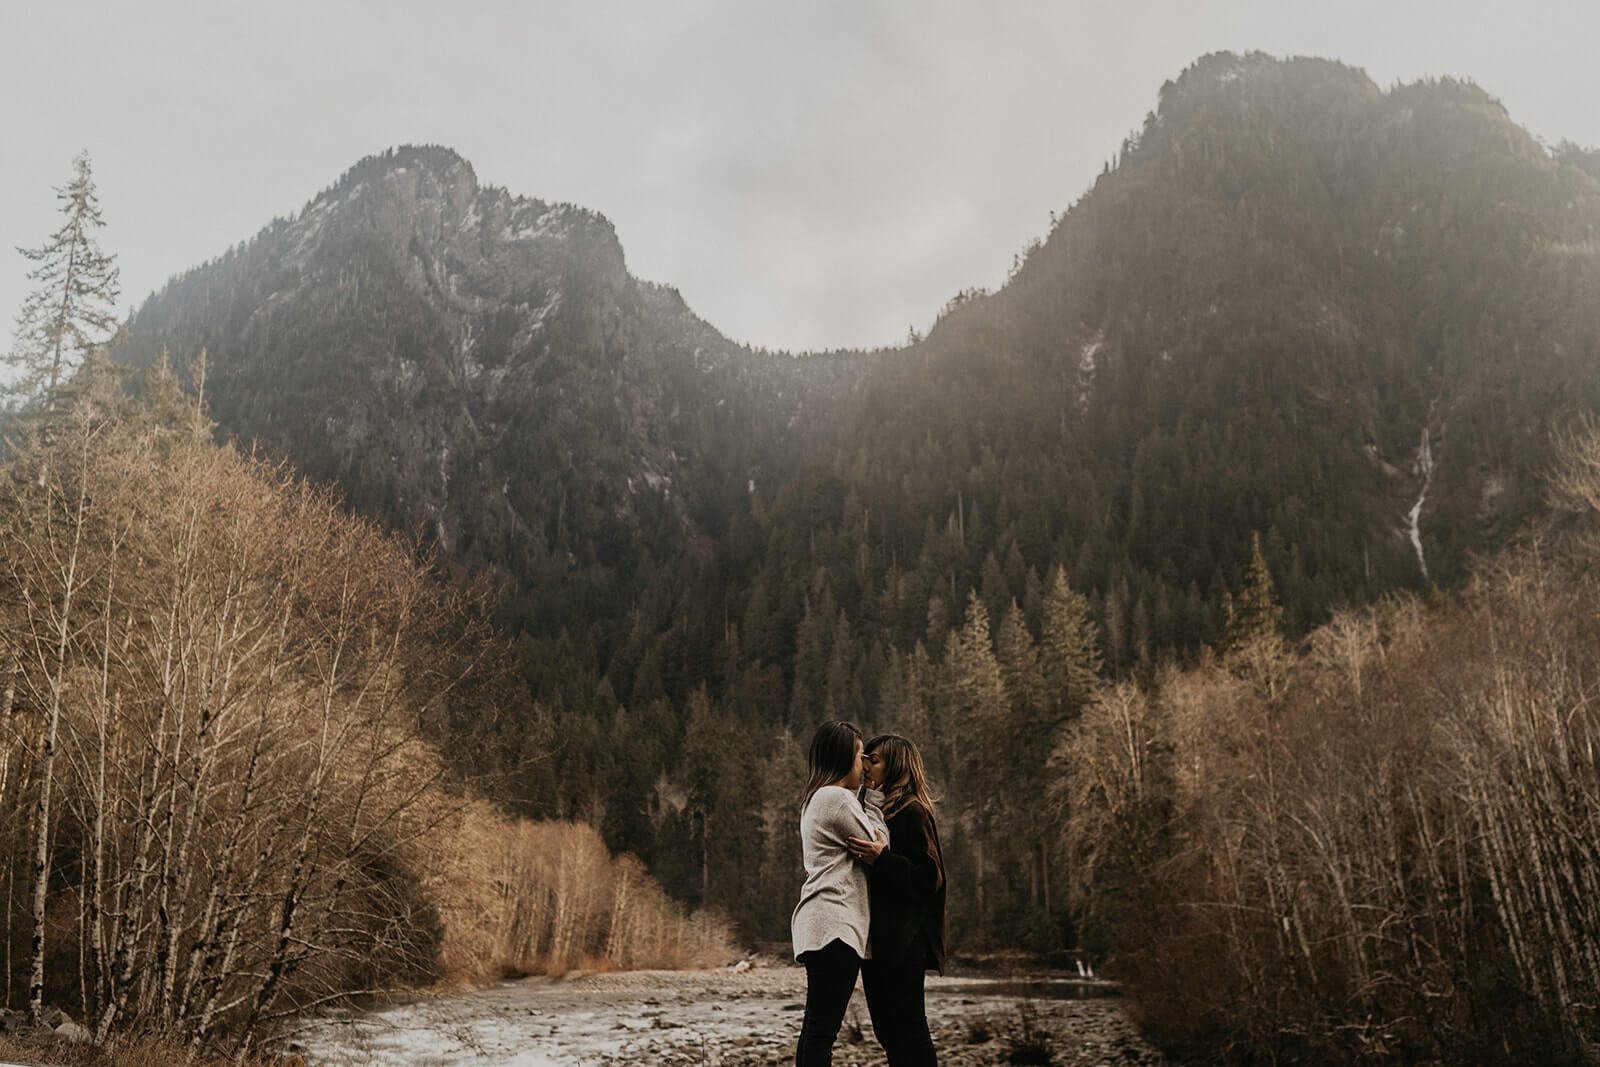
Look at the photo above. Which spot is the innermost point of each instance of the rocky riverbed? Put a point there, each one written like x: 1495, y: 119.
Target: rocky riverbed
x: 736, y: 1018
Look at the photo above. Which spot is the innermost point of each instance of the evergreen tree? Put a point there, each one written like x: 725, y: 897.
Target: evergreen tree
x: 780, y: 779
x: 841, y: 698
x: 704, y: 763
x: 916, y: 716
x: 1069, y: 652
x: 979, y: 712
x: 1031, y: 739
x: 1024, y: 678
x: 1256, y: 614
x: 978, y: 696
x: 73, y: 307
x: 812, y: 653
x: 1255, y: 648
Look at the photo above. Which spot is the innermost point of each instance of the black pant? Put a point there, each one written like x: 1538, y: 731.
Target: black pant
x: 830, y: 979
x: 899, y: 1012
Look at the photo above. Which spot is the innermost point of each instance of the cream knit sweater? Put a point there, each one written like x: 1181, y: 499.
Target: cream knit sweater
x: 833, y: 901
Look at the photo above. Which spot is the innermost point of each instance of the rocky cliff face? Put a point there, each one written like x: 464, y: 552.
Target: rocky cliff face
x: 481, y: 368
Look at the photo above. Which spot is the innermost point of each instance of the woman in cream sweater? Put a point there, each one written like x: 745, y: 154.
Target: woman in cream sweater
x: 831, y: 923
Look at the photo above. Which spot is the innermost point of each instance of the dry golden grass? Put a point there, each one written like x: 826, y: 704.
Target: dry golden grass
x: 146, y: 1051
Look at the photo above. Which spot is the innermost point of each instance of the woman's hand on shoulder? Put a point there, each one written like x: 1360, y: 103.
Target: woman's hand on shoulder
x: 868, y: 851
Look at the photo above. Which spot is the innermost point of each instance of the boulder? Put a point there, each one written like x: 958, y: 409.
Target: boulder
x: 73, y: 1032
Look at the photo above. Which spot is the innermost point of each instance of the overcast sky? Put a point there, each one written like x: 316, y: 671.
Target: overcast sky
x: 810, y: 174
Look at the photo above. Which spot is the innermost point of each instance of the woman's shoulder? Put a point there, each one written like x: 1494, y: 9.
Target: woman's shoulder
x: 913, y: 813
x: 830, y: 797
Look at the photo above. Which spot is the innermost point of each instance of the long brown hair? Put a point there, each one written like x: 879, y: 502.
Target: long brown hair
x: 832, y: 756
x: 905, y: 780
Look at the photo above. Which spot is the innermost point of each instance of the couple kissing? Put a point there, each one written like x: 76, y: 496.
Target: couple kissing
x: 873, y: 898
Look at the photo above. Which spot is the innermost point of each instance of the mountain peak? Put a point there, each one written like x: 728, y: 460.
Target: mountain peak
x: 424, y: 170
x: 437, y: 160
x: 426, y: 190
x: 1219, y: 74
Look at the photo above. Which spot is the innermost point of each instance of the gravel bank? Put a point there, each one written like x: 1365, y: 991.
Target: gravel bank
x: 671, y: 1018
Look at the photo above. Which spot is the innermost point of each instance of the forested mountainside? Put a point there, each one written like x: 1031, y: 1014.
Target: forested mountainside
x: 1297, y: 306
x: 1252, y: 322
x: 481, y: 368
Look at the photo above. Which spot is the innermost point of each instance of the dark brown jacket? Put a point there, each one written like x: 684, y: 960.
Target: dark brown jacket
x: 907, y: 888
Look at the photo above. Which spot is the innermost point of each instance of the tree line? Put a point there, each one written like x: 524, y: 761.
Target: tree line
x: 223, y: 798
x: 1378, y: 843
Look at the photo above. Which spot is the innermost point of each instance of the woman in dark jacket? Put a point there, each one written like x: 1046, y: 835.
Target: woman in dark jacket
x: 907, y: 892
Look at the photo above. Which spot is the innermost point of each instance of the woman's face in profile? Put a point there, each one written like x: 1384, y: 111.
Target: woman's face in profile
x: 872, y: 770
x: 853, y: 779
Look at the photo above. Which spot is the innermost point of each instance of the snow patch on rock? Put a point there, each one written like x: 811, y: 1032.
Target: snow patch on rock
x: 1424, y: 467
x: 1088, y: 354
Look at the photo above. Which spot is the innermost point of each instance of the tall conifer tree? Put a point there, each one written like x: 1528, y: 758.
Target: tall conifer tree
x: 1019, y: 663
x: 73, y: 307
x: 1256, y: 614
x: 1069, y: 648
x: 1254, y: 642
x: 980, y: 712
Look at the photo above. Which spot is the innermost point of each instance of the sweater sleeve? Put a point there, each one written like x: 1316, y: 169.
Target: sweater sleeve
x: 909, y: 868
x: 840, y: 814
x: 872, y: 810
